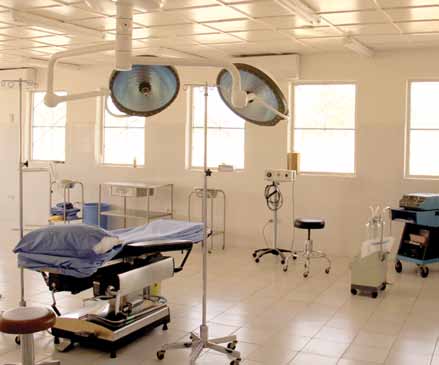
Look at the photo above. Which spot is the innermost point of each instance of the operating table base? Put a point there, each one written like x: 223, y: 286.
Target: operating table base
x: 257, y: 254
x: 200, y: 342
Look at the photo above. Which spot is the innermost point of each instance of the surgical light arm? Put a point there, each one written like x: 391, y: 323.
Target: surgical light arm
x: 239, y: 96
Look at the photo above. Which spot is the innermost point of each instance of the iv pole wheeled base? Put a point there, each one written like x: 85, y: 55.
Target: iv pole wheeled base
x: 257, y: 254
x: 200, y: 342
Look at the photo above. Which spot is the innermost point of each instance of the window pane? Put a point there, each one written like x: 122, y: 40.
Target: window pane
x: 48, y: 144
x: 324, y: 106
x: 424, y: 153
x: 123, y: 145
x: 326, y: 151
x: 226, y: 146
x: 424, y: 108
x: 43, y: 116
x: 219, y: 114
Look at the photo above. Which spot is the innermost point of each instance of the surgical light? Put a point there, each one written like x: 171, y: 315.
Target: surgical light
x: 266, y: 104
x: 145, y: 90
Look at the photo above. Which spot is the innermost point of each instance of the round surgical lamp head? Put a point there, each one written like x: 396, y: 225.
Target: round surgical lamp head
x: 263, y: 88
x: 144, y: 90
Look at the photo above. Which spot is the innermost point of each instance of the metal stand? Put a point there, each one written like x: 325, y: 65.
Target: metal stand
x: 257, y: 254
x: 67, y: 186
x: 212, y: 194
x: 28, y: 352
x: 201, y: 341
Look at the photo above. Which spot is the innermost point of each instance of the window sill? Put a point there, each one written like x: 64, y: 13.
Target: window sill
x: 105, y: 165
x: 421, y: 177
x: 213, y: 169
x: 328, y: 174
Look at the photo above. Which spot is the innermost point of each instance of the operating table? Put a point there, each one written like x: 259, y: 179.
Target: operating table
x: 122, y: 306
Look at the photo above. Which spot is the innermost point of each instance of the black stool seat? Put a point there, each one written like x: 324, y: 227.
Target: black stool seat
x: 309, y: 223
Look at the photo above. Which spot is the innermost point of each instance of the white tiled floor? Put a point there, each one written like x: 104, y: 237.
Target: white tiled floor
x: 279, y: 318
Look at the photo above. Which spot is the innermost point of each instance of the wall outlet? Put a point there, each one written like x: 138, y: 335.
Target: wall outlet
x: 280, y: 175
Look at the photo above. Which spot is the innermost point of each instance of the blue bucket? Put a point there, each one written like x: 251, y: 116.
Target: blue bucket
x: 91, y: 214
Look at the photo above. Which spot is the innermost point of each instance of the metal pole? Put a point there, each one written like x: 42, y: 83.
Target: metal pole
x: 20, y: 184
x: 203, y: 329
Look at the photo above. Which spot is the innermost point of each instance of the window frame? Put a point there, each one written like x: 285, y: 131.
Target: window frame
x: 101, y: 141
x: 30, y: 152
x: 190, y: 127
x: 292, y: 127
x: 408, y: 129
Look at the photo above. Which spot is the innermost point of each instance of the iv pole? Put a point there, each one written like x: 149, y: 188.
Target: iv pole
x: 202, y: 341
x: 21, y: 164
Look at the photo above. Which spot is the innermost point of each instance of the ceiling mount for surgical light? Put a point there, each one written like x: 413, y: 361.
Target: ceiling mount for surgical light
x: 266, y: 103
x: 302, y: 10
x: 351, y: 43
x: 145, y: 90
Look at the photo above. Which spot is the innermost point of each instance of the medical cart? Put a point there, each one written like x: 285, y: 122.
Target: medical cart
x: 134, y: 190
x: 420, y: 238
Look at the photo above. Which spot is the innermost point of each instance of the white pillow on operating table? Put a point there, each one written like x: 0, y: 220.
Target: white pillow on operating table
x: 106, y: 244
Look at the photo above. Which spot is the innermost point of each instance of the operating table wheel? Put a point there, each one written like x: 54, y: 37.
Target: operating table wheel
x: 161, y: 354
x: 398, y: 266
x: 424, y: 271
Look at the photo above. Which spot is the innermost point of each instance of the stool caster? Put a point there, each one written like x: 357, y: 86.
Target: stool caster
x: 285, y: 268
x: 235, y: 362
x: 305, y: 274
x: 161, y: 354
x: 327, y: 270
x: 17, y: 340
x: 256, y: 260
x: 232, y: 345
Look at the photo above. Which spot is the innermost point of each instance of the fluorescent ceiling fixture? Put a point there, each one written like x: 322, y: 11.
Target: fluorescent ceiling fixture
x: 357, y: 47
x: 55, y: 24
x: 300, y: 9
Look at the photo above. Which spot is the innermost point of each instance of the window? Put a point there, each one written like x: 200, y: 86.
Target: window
x: 48, y: 129
x: 123, y: 139
x: 423, y: 130
x: 324, y: 127
x: 225, y: 134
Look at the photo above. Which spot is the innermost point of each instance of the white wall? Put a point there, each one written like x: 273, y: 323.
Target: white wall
x: 342, y: 201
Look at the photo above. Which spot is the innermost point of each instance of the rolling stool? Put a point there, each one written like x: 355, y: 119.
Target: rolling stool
x: 25, y: 321
x: 308, y: 252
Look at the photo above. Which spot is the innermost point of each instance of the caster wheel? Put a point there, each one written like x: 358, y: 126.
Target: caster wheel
x: 294, y: 256
x: 327, y: 270
x: 165, y: 327
x: 374, y: 295
x: 354, y: 291
x: 188, y: 344
x: 17, y: 340
x: 383, y: 287
x: 235, y: 362
x: 56, y: 341
x: 285, y: 269
x: 231, y: 346
x: 113, y: 355
x: 256, y: 260
x: 254, y: 254
x: 398, y: 266
x: 305, y: 274
x: 282, y: 262
x: 424, y: 271
x: 161, y: 354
